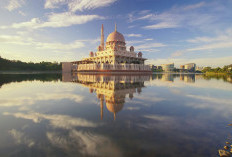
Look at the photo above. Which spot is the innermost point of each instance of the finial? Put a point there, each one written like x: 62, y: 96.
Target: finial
x: 115, y: 27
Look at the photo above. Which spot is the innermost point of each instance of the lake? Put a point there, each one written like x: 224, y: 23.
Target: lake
x: 176, y: 115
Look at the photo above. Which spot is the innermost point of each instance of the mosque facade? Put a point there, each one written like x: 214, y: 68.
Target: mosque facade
x: 111, y: 56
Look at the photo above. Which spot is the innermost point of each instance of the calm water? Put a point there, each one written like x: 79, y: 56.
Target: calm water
x: 94, y: 115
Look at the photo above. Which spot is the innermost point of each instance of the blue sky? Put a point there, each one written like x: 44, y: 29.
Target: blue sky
x: 164, y: 30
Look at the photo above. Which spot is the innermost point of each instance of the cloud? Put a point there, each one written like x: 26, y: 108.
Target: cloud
x: 20, y: 138
x: 55, y: 20
x: 212, y: 46
x: 14, y: 4
x: 161, y: 25
x: 221, y: 41
x: 79, y: 5
x: 149, y: 46
x: 133, y: 35
x: 198, y: 16
x: 148, y: 39
x: 22, y: 40
x: 195, y: 6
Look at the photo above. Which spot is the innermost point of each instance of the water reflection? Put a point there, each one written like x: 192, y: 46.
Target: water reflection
x: 156, y: 115
x: 111, y: 90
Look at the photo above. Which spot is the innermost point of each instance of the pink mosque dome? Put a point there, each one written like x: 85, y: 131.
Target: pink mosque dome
x: 115, y: 36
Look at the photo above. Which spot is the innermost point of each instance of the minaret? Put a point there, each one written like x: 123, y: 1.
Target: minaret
x: 102, y: 38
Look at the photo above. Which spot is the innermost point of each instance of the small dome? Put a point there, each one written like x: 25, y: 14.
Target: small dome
x: 115, y: 36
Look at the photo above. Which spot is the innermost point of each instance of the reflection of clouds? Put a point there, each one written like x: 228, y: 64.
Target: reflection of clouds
x: 219, y: 105
x: 20, y: 138
x: 159, y: 122
x: 158, y: 117
x: 84, y: 142
x: 57, y: 121
x: 211, y: 99
x: 133, y: 108
x: 19, y: 101
x: 149, y: 97
x: 72, y: 141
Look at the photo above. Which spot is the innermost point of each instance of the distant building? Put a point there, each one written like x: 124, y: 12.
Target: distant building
x: 168, y: 67
x: 182, y: 67
x: 199, y: 68
x: 190, y: 67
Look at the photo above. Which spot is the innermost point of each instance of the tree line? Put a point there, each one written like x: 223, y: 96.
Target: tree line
x: 16, y: 65
x: 225, y: 69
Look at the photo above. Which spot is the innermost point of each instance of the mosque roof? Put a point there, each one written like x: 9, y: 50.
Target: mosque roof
x: 115, y: 36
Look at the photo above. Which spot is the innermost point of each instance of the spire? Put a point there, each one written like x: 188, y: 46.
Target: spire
x: 102, y: 37
x: 115, y: 27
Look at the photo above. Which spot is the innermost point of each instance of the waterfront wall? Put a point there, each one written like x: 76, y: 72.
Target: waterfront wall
x: 111, y: 67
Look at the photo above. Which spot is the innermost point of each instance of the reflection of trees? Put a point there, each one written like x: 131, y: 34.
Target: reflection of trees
x: 224, y: 77
x: 8, y: 78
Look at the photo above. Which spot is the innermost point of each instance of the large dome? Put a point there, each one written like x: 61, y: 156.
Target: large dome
x: 115, y: 36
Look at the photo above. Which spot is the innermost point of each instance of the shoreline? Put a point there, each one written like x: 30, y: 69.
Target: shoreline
x: 30, y: 72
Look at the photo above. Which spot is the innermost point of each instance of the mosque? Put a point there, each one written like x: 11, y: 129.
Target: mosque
x: 111, y: 56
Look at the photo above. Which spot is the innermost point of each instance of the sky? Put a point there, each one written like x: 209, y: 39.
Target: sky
x: 165, y: 31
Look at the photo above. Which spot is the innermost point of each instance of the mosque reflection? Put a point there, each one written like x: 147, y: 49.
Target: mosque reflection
x: 111, y: 90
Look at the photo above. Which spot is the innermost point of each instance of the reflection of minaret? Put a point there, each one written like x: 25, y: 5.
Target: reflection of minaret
x: 101, y: 97
x: 102, y: 103
x: 102, y: 38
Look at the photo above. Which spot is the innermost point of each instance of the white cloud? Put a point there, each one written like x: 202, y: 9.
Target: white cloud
x: 161, y: 25
x: 212, y: 46
x: 185, y: 16
x: 133, y: 35
x: 14, y: 4
x: 148, y: 39
x: 195, y: 6
x: 79, y: 5
x: 149, y: 46
x: 55, y: 20
x: 22, y: 40
x: 221, y: 41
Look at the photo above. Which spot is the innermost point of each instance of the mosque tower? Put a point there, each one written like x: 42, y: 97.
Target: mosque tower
x: 102, y: 38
